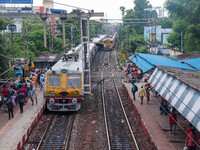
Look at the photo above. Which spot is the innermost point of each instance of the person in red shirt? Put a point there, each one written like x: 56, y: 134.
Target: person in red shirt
x: 189, y: 128
x: 172, y: 122
x: 135, y: 73
x: 5, y: 91
x: 23, y: 89
x: 191, y: 139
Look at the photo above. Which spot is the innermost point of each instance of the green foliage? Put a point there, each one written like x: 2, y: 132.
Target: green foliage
x: 135, y: 33
x: 3, y: 24
x: 186, y: 19
x: 174, y: 40
x: 4, y: 63
x: 165, y: 22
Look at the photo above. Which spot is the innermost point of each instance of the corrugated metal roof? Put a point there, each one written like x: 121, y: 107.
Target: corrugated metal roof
x: 141, y: 63
x: 166, y: 31
x: 184, y: 98
x: 164, y: 61
x: 148, y: 61
x: 193, y: 62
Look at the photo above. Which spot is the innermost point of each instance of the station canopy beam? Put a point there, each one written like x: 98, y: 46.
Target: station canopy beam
x: 69, y: 15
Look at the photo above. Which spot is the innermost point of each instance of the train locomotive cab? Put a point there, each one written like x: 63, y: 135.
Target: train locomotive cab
x: 108, y: 44
x: 63, y: 91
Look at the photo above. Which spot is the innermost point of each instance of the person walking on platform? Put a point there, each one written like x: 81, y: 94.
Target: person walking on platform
x: 134, y: 89
x: 172, y: 121
x: 9, y: 105
x: 41, y: 81
x: 21, y: 97
x: 147, y: 90
x: 13, y: 98
x: 23, y: 89
x: 141, y: 94
x: 34, y: 79
x: 191, y: 139
x: 33, y: 95
x: 163, y: 107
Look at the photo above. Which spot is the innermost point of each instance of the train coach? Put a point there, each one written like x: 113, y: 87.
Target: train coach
x: 63, y: 86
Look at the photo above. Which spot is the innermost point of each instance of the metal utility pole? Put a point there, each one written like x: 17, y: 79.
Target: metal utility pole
x: 72, y: 36
x: 155, y: 35
x: 86, y: 78
x: 27, y: 43
x: 181, y: 42
x: 45, y: 34
x: 128, y: 37
x: 50, y: 39
x: 63, y: 18
x: 23, y: 34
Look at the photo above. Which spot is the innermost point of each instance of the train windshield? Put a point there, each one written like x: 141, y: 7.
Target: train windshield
x: 73, y: 81
x: 54, y: 80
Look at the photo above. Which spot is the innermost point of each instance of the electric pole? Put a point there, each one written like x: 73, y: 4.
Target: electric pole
x: 23, y: 34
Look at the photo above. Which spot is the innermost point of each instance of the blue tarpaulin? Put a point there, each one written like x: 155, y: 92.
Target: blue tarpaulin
x: 148, y: 61
x: 18, y: 71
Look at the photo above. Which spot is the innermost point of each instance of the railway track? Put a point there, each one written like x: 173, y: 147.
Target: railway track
x: 123, y: 129
x: 52, y: 133
x: 118, y: 129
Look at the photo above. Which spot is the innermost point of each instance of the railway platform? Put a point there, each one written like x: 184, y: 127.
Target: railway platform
x: 14, y: 132
x: 157, y: 125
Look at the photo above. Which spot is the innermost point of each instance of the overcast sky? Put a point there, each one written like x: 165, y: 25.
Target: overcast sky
x: 109, y: 7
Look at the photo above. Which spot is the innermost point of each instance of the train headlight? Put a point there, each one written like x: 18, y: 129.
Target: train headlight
x: 76, y: 92
x: 74, y: 101
x: 51, y: 101
x: 51, y: 92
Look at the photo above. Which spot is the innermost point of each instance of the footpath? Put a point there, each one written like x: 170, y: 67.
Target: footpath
x: 14, y: 132
x: 158, y: 125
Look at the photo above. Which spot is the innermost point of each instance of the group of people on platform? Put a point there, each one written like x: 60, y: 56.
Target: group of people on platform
x: 133, y: 72
x: 143, y: 92
x: 19, y: 93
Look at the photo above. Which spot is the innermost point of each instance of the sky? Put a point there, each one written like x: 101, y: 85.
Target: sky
x: 111, y: 8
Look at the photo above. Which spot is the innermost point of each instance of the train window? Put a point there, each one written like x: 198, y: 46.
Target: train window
x: 111, y: 41
x: 54, y: 80
x: 73, y: 81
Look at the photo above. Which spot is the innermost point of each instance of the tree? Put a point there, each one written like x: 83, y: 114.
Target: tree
x: 3, y: 24
x: 135, y: 31
x: 122, y: 8
x: 186, y: 19
x: 165, y: 22
x: 4, y: 53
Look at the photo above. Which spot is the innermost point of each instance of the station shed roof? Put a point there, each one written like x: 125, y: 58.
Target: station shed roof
x: 148, y: 61
x: 166, y: 31
x: 195, y: 62
x: 181, y: 89
x: 190, y: 55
